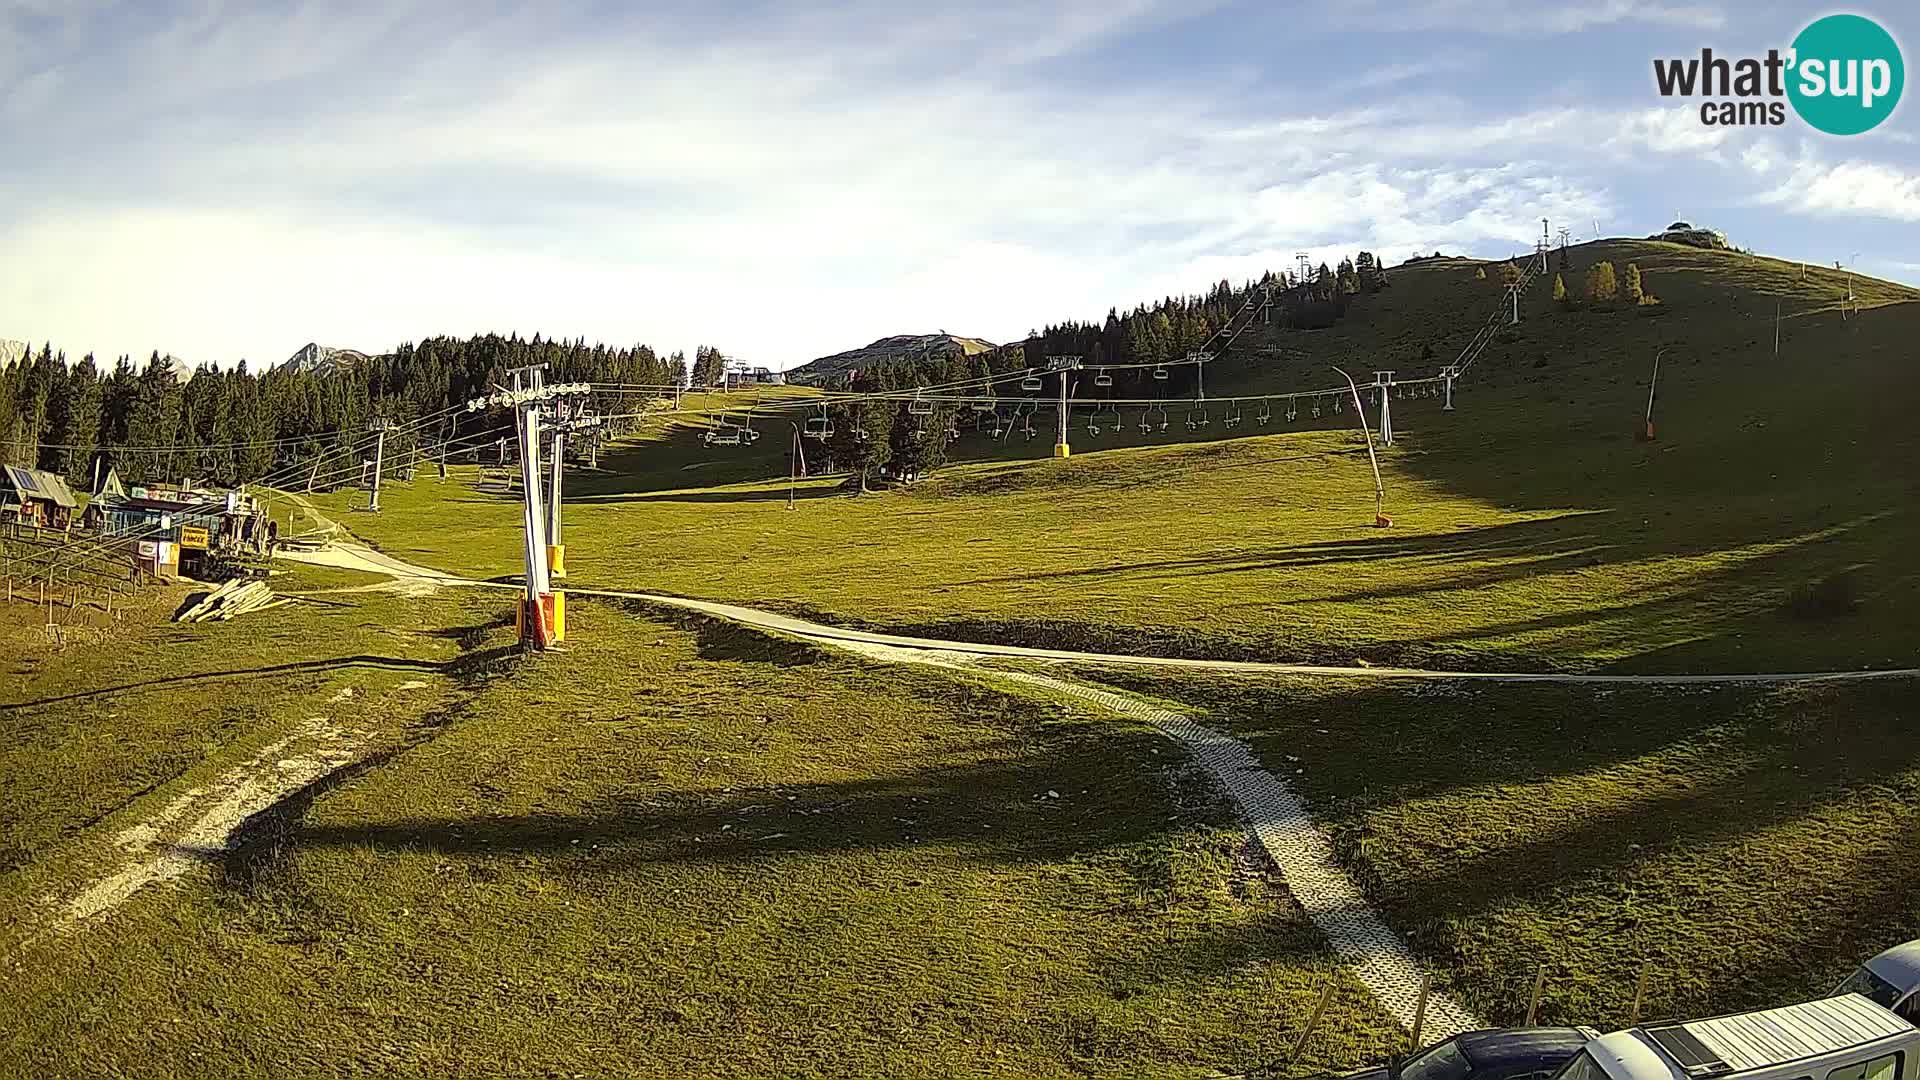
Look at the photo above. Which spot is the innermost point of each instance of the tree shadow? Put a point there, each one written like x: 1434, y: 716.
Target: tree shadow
x: 1005, y: 808
x: 391, y: 663
x: 812, y: 489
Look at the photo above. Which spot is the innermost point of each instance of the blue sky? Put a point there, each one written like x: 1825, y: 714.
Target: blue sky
x: 228, y: 181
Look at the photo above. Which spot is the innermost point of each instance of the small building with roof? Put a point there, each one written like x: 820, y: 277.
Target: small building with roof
x: 36, y: 497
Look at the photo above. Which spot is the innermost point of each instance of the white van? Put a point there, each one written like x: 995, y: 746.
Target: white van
x: 1839, y: 1038
x: 1891, y: 979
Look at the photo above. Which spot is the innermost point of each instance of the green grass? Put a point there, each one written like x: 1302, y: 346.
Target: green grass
x: 1531, y: 528
x: 1747, y: 845
x: 96, y: 730
x: 669, y: 850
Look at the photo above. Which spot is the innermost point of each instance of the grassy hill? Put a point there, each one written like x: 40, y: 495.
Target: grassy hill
x: 1532, y: 527
x: 897, y: 347
x: 675, y: 848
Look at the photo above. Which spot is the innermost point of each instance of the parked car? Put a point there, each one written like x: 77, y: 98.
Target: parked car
x: 1836, y: 1038
x: 1890, y: 980
x: 1528, y: 1053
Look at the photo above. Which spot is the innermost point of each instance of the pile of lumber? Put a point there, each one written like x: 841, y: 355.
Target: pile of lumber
x: 236, y: 597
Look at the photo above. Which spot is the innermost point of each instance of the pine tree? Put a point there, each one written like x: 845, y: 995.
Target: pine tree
x: 1633, y: 282
x: 1559, y: 291
x: 1480, y: 274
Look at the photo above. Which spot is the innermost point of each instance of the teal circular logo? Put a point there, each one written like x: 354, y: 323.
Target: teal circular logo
x: 1846, y: 74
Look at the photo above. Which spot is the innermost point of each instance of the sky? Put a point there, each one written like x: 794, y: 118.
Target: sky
x: 784, y: 180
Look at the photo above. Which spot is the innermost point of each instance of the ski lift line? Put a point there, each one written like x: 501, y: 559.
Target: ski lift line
x: 470, y: 441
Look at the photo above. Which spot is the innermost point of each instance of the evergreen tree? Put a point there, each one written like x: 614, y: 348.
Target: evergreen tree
x: 863, y: 430
x: 1633, y: 283
x: 1559, y: 291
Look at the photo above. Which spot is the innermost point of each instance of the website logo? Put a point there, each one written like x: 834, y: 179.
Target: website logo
x: 1842, y: 75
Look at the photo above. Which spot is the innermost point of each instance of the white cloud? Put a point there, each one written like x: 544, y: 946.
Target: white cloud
x: 832, y: 176
x: 1520, y: 19
x: 1808, y: 183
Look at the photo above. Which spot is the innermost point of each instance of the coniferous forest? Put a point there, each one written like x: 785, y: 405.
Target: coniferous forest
x: 157, y: 423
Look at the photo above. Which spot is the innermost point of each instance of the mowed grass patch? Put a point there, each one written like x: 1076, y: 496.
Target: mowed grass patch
x: 678, y: 849
x: 1747, y: 845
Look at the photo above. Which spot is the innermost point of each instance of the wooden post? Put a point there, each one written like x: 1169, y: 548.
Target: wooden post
x: 1420, y: 1009
x: 1539, y: 984
x: 1319, y: 1010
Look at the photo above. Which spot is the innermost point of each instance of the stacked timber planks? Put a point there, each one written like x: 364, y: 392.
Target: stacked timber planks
x: 236, y: 597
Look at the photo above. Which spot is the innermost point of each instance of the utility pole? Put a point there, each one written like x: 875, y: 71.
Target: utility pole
x: 556, y: 546
x: 1776, y: 329
x: 379, y: 458
x: 1380, y: 518
x: 798, y: 466
x: 1063, y: 364
x: 1651, y: 384
x: 1383, y: 381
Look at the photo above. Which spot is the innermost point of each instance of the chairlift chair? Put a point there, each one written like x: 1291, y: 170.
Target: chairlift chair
x: 1146, y: 425
x: 1196, y: 418
x: 1026, y: 426
x: 1293, y: 409
x: 1232, y: 419
x: 1031, y: 383
x: 1162, y: 410
x: 1265, y: 415
x: 1160, y: 372
x: 819, y: 427
x: 919, y: 406
x: 1339, y: 403
x: 1101, y: 378
x: 1316, y: 408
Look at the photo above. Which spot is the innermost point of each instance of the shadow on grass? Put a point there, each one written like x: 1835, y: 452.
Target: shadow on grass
x: 1003, y: 809
x: 391, y: 663
x: 814, y: 489
x: 1783, y: 776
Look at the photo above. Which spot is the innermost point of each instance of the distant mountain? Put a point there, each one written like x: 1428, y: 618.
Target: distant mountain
x: 11, y: 351
x: 323, y: 359
x: 898, y: 347
x: 181, y: 371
